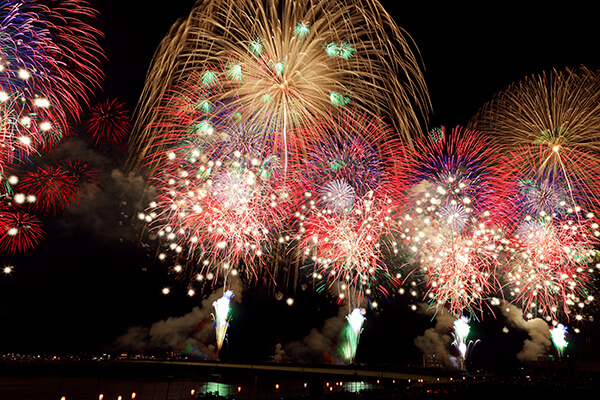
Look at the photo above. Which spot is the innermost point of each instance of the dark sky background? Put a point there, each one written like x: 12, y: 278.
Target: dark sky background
x: 89, y: 281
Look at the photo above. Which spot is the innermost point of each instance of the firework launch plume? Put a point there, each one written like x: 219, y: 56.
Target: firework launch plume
x: 558, y: 334
x: 350, y: 334
x: 460, y: 334
x: 222, y: 316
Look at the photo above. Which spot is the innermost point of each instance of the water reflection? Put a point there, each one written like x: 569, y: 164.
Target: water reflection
x: 356, y: 387
x: 219, y: 389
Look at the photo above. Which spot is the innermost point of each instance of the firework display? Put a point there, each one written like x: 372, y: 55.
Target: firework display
x: 280, y: 135
x: 291, y: 142
x: 549, y: 125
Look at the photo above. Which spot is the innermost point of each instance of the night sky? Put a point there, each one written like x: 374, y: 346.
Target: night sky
x: 90, y: 280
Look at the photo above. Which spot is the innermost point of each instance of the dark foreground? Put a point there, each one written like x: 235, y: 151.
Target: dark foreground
x: 73, y: 380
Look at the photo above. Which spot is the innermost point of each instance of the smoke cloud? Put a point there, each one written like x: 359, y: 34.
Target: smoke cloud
x: 539, y: 341
x: 110, y: 213
x: 319, y: 346
x: 192, y: 334
x: 436, y: 341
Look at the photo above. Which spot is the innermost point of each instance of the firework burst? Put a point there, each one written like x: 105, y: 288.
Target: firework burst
x: 49, y: 61
x: 291, y: 62
x: 220, y: 199
x: 549, y: 270
x: 452, y: 221
x: 346, y: 203
x: 19, y: 231
x: 108, y: 123
x: 52, y: 186
x: 558, y: 115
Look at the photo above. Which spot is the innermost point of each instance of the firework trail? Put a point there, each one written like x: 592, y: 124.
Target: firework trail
x: 453, y: 217
x: 350, y: 334
x: 291, y: 62
x: 49, y: 61
x: 558, y: 334
x: 346, y: 196
x: 221, y: 317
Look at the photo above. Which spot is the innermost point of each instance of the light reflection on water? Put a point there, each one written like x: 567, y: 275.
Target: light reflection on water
x: 356, y: 387
x: 219, y: 389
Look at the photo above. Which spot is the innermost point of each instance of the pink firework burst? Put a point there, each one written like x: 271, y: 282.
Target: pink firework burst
x: 461, y: 271
x: 550, y: 269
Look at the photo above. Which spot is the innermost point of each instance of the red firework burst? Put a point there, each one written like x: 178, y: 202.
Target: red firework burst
x: 454, y: 215
x: 19, y: 231
x: 85, y: 177
x: 109, y: 123
x: 220, y: 195
x: 347, y: 192
x: 550, y: 270
x: 53, y: 187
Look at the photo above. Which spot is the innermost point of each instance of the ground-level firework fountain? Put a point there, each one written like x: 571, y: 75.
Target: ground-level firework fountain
x: 350, y: 334
x: 558, y: 334
x: 222, y: 317
x: 461, y: 332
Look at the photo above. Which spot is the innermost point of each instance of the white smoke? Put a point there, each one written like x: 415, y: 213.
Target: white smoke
x: 436, y: 341
x: 539, y: 341
x: 108, y: 214
x: 319, y: 346
x: 192, y: 333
